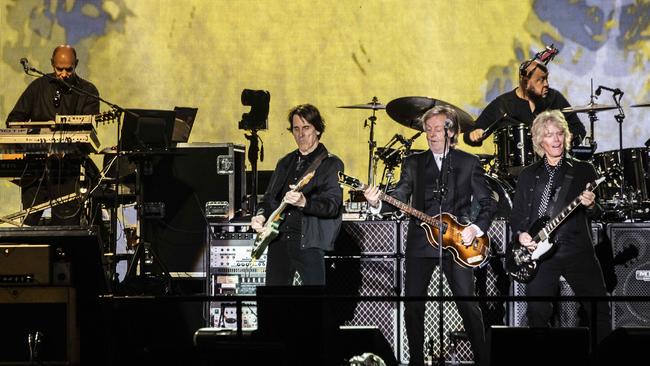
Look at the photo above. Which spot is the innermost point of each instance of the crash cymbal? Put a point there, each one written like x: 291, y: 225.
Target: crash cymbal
x: 591, y: 107
x: 640, y: 105
x: 372, y: 105
x: 408, y: 110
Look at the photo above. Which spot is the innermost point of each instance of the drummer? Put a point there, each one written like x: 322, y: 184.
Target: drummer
x: 522, y: 105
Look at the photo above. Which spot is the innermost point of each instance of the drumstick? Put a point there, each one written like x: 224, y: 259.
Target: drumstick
x: 489, y: 128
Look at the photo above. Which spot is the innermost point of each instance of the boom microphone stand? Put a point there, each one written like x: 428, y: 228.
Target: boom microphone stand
x: 617, y: 94
x: 441, y: 190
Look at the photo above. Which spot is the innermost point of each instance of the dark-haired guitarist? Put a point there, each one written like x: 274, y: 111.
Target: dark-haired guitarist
x: 464, y: 181
x: 312, y: 218
x: 544, y: 188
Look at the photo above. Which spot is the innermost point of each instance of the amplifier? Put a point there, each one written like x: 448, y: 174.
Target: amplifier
x: 24, y: 265
x: 231, y: 272
x: 631, y: 249
x: 367, y: 238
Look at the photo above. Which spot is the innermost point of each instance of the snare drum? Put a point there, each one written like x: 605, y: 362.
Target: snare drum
x: 514, y: 149
x: 636, y: 177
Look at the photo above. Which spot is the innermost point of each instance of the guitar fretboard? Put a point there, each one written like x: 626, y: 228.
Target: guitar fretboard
x: 405, y: 208
x: 557, y: 220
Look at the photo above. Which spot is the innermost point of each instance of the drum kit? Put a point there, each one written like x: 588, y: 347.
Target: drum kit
x: 625, y: 198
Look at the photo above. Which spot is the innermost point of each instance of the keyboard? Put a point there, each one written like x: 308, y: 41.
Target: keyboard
x: 46, y: 140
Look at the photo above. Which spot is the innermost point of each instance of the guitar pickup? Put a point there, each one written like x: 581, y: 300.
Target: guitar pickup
x: 474, y: 259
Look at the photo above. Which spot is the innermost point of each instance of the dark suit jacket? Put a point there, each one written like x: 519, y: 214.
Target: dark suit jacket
x: 466, y: 181
x: 576, y: 228
x: 322, y: 215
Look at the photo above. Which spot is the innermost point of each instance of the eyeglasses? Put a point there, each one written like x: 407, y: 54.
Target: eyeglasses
x: 56, y: 100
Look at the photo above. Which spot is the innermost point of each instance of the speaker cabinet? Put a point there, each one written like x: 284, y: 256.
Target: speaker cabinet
x: 367, y: 238
x: 49, y: 310
x: 553, y: 346
x: 365, y: 277
x: 631, y: 247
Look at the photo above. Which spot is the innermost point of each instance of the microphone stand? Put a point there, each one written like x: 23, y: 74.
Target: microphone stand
x: 620, y: 117
x: 371, y: 142
x: 118, y: 111
x: 441, y: 188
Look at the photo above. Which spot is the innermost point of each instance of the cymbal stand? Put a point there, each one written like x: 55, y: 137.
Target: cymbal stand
x: 371, y: 141
x: 620, y: 117
x: 592, y: 119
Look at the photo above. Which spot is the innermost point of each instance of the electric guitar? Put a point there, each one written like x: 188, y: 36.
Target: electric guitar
x: 470, y: 255
x: 271, y: 227
x: 522, y: 264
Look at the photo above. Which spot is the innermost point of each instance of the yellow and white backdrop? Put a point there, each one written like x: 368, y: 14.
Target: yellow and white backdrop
x: 159, y: 54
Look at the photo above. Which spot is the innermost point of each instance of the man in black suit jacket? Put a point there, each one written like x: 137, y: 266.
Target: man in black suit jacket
x: 545, y: 188
x: 313, y: 215
x: 464, y: 180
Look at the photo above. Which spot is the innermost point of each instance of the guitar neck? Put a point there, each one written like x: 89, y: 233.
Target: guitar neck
x: 407, y: 209
x: 557, y: 220
x: 276, y: 214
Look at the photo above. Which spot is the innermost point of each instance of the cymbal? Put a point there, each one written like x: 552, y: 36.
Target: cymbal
x: 408, y: 110
x: 372, y: 105
x: 591, y: 107
x: 640, y: 105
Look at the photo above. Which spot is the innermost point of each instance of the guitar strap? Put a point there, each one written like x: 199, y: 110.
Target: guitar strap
x: 316, y: 163
x: 564, y: 191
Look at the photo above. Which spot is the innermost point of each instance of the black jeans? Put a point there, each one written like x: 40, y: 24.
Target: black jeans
x: 285, y: 258
x: 461, y: 281
x: 582, y: 272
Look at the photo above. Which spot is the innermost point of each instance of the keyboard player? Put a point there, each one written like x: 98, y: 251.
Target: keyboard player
x: 43, y: 99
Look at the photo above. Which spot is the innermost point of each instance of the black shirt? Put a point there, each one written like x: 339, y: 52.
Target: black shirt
x: 37, y: 101
x: 518, y: 111
x: 291, y: 227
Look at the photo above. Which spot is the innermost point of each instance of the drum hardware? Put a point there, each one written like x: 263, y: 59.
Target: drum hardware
x: 632, y: 166
x: 617, y: 94
x: 408, y: 110
x: 374, y: 105
x: 591, y: 109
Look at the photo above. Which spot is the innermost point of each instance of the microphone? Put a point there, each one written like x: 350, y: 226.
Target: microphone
x: 616, y: 91
x: 448, y: 124
x: 25, y: 63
